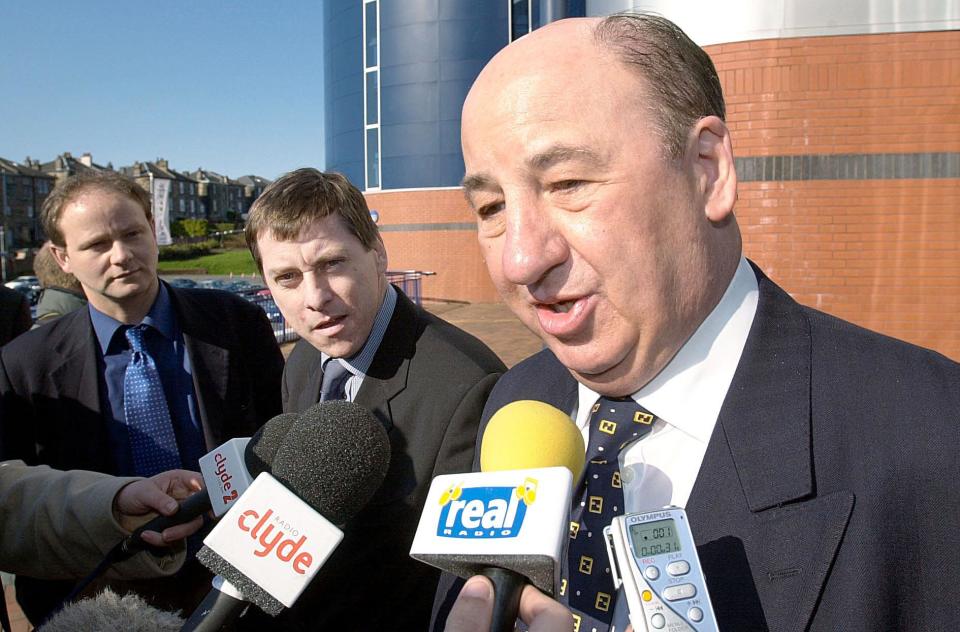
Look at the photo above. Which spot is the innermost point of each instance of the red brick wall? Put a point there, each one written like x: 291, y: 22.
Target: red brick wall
x: 882, y: 253
x: 451, y: 252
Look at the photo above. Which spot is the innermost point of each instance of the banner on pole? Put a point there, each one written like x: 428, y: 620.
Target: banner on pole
x: 161, y: 211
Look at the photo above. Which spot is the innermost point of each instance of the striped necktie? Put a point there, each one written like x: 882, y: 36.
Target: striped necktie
x: 586, y: 584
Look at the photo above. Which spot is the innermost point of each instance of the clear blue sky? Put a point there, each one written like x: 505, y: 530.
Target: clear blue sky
x: 235, y: 87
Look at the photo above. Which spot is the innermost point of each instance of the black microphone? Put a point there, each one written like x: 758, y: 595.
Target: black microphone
x: 258, y: 456
x: 333, y: 459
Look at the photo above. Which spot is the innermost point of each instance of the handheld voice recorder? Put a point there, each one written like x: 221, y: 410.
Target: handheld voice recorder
x: 652, y: 555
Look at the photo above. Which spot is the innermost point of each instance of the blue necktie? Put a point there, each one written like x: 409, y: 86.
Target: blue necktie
x: 153, y: 442
x: 335, y: 376
x: 586, y: 584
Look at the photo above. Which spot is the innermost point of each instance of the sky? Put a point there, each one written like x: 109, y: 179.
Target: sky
x: 233, y: 87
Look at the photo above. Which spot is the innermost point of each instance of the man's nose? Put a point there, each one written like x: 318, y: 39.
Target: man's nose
x: 316, y: 291
x: 119, y: 253
x: 532, y: 243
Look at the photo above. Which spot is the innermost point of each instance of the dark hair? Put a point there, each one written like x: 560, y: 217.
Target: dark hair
x: 682, y: 82
x: 300, y: 198
x: 68, y: 190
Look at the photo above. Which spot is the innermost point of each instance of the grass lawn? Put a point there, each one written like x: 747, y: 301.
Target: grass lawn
x: 236, y: 261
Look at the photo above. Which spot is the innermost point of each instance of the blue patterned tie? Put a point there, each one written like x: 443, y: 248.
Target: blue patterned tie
x: 152, y: 439
x: 586, y: 584
x: 335, y: 376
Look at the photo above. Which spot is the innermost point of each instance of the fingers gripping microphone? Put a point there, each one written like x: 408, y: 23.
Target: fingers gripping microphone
x: 508, y: 522
x: 280, y: 532
x: 225, y: 478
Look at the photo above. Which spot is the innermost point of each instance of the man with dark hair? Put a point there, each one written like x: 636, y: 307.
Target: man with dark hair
x: 148, y: 378
x: 816, y: 460
x: 61, y: 293
x: 363, y: 340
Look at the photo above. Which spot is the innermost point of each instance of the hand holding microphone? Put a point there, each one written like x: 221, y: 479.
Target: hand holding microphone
x: 508, y: 522
x: 137, y: 501
x: 474, y: 608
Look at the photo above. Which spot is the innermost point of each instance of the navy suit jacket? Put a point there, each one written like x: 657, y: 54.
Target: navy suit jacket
x: 50, y: 408
x: 827, y: 498
x: 427, y: 385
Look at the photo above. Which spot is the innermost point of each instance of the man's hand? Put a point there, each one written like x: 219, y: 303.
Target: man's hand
x: 140, y: 501
x: 474, y: 608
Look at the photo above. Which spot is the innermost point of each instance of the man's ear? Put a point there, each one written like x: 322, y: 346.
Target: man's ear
x: 714, y: 169
x: 381, y: 251
x: 60, y: 256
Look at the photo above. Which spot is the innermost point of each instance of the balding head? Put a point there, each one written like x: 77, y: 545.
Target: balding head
x: 605, y: 222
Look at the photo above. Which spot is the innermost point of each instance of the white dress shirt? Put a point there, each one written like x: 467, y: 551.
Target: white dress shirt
x: 661, y: 468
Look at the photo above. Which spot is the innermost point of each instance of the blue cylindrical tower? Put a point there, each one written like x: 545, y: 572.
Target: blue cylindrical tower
x: 396, y: 74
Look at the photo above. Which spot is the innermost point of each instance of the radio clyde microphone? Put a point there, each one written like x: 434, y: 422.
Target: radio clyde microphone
x: 509, y: 521
x: 227, y: 472
x: 280, y: 532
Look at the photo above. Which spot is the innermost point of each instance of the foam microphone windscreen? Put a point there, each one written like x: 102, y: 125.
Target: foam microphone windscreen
x: 263, y: 445
x: 348, y: 454
x: 528, y: 434
x: 334, y: 457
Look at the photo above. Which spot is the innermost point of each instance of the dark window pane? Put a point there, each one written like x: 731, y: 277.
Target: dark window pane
x: 371, y: 25
x: 373, y: 158
x: 373, y: 90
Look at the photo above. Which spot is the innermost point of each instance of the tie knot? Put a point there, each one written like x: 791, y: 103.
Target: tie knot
x: 135, y: 337
x: 335, y: 376
x: 615, y: 422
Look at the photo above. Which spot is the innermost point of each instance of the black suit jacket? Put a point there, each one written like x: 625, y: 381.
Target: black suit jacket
x: 427, y: 384
x: 14, y: 314
x: 827, y: 498
x: 50, y: 409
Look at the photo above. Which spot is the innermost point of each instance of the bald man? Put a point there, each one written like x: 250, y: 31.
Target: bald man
x: 816, y: 460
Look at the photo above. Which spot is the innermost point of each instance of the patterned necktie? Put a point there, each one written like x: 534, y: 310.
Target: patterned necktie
x: 589, y: 592
x: 153, y: 443
x: 335, y: 376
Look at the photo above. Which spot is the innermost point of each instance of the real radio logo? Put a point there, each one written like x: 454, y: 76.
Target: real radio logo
x: 485, y: 512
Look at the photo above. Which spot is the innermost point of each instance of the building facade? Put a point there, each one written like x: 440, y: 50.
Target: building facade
x: 23, y: 189
x: 844, y: 119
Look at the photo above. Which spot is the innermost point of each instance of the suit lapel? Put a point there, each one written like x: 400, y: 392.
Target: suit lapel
x: 766, y: 540
x: 75, y: 373
x: 210, y: 364
x: 388, y: 372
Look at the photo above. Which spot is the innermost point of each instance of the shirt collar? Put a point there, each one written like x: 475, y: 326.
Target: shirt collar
x: 689, y: 392
x: 160, y: 317
x: 359, y: 363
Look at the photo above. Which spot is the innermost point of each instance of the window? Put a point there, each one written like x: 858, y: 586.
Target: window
x: 371, y: 92
x: 181, y: 192
x: 182, y: 210
x: 373, y: 158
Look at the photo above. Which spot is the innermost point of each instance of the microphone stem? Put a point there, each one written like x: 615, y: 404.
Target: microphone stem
x: 218, y: 611
x: 507, y: 587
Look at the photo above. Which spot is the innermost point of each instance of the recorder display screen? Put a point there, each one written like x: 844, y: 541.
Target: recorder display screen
x: 654, y: 538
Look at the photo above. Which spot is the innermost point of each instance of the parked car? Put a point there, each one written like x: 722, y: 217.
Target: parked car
x: 180, y: 282
x: 24, y: 281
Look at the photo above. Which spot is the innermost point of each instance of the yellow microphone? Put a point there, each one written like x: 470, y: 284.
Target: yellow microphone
x: 528, y: 434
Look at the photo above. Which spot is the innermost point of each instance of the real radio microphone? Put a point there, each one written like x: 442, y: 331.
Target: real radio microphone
x: 227, y: 472
x: 508, y: 522
x: 279, y: 533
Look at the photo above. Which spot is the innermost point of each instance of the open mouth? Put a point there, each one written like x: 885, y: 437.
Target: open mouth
x: 562, y: 307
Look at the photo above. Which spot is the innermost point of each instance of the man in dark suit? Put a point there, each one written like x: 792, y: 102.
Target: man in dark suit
x: 147, y: 378
x: 816, y: 460
x: 14, y: 314
x: 425, y: 380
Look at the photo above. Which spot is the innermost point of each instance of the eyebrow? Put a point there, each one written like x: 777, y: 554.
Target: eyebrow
x: 565, y: 153
x: 538, y: 162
